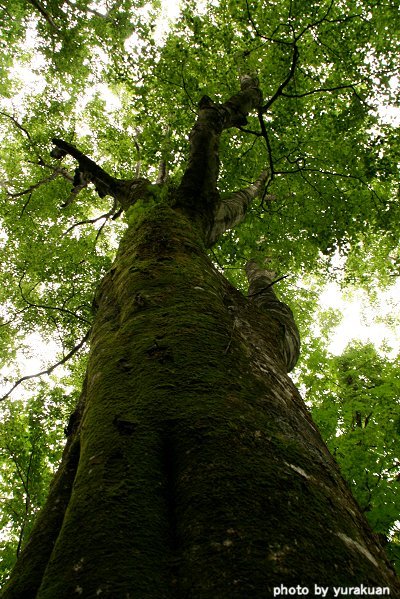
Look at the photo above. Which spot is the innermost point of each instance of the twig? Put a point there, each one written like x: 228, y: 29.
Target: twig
x: 17, y: 124
x: 262, y: 36
x: 319, y: 90
x: 25, y: 206
x: 34, y: 186
x: 25, y: 131
x: 264, y: 133
x: 99, y: 232
x: 268, y: 286
x: 56, y: 169
x: 89, y: 221
x: 11, y: 320
x: 45, y: 307
x: 87, y: 10
x: 257, y: 133
x: 193, y: 104
x: 330, y: 174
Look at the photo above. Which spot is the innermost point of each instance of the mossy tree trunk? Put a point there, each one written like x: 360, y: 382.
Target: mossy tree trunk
x: 192, y: 467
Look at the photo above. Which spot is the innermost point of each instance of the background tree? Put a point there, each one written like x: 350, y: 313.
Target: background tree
x: 323, y: 70
x: 355, y: 405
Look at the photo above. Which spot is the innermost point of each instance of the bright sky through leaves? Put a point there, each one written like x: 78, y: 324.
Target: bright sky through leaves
x: 362, y: 321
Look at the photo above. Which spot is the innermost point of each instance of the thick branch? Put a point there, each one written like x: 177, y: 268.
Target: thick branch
x: 105, y: 184
x: 197, y: 193
x: 261, y: 293
x: 126, y: 192
x: 232, y: 210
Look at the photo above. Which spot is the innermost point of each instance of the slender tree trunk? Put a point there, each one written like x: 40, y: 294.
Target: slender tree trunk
x: 193, y: 469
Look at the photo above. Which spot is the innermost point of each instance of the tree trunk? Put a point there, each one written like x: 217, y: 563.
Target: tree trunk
x: 200, y: 473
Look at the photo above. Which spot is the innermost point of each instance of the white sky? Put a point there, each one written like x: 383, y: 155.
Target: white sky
x: 361, y: 320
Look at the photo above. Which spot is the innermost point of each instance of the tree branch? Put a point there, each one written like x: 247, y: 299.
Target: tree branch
x: 14, y: 318
x: 60, y: 171
x: 315, y: 23
x: 232, y: 210
x: 87, y: 10
x: 268, y: 286
x: 25, y: 132
x: 162, y: 176
x: 105, y: 183
x: 19, y: 194
x: 197, y: 193
x: 126, y: 192
x: 27, y: 502
x: 17, y: 124
x: 55, y: 308
x: 319, y: 90
x: 261, y: 35
x: 264, y: 134
x: 282, y: 86
x: 262, y: 294
x: 49, y: 370
x: 39, y: 6
x: 88, y: 221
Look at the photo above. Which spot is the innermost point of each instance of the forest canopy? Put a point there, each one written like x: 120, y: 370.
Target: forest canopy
x: 111, y: 79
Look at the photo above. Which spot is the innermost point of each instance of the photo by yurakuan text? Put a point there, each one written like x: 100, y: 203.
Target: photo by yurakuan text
x: 327, y: 591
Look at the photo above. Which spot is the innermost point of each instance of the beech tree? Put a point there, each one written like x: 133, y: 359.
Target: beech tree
x: 192, y: 466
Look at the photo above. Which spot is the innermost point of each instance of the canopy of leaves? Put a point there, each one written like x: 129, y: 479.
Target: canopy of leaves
x: 102, y: 76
